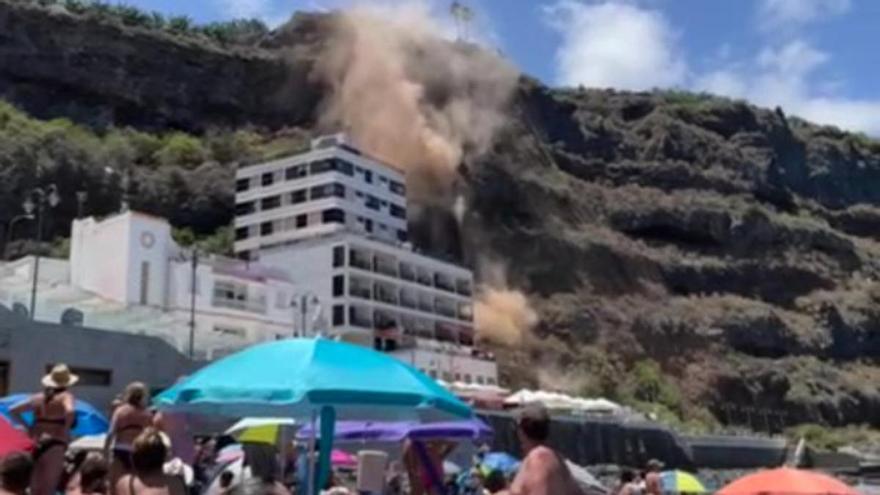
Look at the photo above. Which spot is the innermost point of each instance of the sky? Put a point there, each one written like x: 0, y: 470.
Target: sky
x: 818, y: 59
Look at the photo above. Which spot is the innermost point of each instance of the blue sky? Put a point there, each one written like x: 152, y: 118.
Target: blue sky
x: 815, y: 58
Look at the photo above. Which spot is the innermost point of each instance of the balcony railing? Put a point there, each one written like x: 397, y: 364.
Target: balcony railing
x: 426, y: 306
x: 407, y: 273
x: 463, y: 287
x: 425, y: 279
x: 445, y: 311
x: 443, y: 284
x: 409, y: 302
x: 385, y: 269
x: 241, y: 305
x: 360, y: 320
x: 386, y: 296
x: 361, y: 292
x: 361, y: 262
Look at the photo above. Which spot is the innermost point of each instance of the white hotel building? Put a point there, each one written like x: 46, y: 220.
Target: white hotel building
x: 335, y: 221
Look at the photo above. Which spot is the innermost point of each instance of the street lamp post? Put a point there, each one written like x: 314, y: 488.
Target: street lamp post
x: 8, y: 233
x: 302, y: 304
x: 37, y: 201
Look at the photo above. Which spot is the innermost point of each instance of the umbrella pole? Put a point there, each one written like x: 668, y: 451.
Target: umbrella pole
x: 312, y: 442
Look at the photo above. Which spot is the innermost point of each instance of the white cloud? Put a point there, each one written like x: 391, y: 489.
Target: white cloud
x: 791, y: 14
x: 613, y: 44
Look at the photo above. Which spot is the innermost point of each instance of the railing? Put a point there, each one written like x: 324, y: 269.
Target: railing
x: 425, y: 279
x: 426, y: 306
x: 440, y: 283
x: 361, y: 292
x: 385, y: 296
x: 361, y: 321
x: 358, y: 262
x: 464, y: 288
x: 407, y: 273
x: 249, y: 306
x: 445, y: 311
x: 385, y: 269
x: 408, y: 302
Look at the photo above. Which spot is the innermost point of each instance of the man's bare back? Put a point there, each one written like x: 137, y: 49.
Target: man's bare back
x: 543, y: 472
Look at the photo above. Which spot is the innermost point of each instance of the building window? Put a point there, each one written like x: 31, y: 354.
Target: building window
x: 334, y: 215
x: 242, y: 233
x: 297, y: 197
x: 398, y: 211
x: 266, y: 228
x: 242, y: 185
x: 145, y: 282
x: 401, y: 236
x: 230, y: 294
x: 467, y: 378
x: 338, y: 256
x: 368, y: 176
x: 447, y: 376
x: 327, y: 190
x: 397, y: 188
x: 245, y: 208
x: 372, y: 202
x: 490, y: 381
x: 90, y: 377
x: 339, y: 285
x: 268, y: 179
x: 232, y: 331
x: 368, y: 225
x: 270, y: 203
x: 383, y: 179
x: 296, y: 172
x: 479, y: 379
x: 338, y: 315
x: 433, y: 374
x: 302, y: 221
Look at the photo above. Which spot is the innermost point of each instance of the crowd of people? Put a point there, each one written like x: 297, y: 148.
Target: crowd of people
x: 154, y: 453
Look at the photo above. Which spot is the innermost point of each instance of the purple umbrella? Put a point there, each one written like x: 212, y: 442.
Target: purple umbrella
x: 375, y: 431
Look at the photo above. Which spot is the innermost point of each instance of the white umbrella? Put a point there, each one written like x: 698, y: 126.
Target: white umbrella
x: 247, y: 423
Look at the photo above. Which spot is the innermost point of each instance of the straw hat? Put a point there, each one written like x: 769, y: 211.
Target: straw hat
x: 60, y: 377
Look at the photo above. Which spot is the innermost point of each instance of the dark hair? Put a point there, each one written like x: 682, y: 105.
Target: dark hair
x: 495, y: 481
x: 149, y: 451
x: 93, y: 473
x: 226, y: 478
x: 260, y: 457
x: 15, y: 472
x: 627, y: 476
x: 534, y: 421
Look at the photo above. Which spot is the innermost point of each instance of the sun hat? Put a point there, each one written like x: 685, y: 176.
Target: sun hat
x: 60, y: 377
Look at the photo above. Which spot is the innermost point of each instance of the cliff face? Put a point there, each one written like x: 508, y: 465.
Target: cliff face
x: 735, y: 246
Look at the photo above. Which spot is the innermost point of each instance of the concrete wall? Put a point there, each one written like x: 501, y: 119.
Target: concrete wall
x: 28, y: 347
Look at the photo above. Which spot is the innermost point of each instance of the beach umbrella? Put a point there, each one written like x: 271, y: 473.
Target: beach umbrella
x: 787, y: 481
x: 397, y: 431
x: 500, y: 461
x: 295, y: 378
x: 680, y: 482
x: 261, y: 430
x: 341, y: 458
x: 89, y: 421
x: 305, y: 378
x: 13, y: 440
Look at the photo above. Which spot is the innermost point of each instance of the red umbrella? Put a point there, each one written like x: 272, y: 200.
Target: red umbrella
x: 13, y: 440
x: 787, y: 481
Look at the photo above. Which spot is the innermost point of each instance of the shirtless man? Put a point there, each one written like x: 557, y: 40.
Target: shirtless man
x: 543, y: 471
x: 652, y: 479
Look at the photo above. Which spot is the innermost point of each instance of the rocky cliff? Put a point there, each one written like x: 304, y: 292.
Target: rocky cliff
x: 734, y: 246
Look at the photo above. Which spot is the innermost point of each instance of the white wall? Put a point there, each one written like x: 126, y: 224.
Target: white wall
x: 99, y: 257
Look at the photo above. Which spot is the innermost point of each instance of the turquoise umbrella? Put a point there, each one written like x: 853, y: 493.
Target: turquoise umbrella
x: 295, y: 378
x: 304, y: 378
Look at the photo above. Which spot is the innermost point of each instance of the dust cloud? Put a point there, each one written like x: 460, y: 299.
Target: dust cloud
x: 409, y: 96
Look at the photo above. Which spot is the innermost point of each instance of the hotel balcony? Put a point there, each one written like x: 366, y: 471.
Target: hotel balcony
x: 360, y: 317
x: 361, y: 291
x: 360, y: 260
x: 385, y: 266
x: 385, y: 293
x: 443, y: 282
x: 463, y: 287
x: 407, y: 273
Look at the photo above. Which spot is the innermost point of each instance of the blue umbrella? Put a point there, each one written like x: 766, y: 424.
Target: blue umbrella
x: 297, y: 377
x: 500, y: 461
x: 89, y: 421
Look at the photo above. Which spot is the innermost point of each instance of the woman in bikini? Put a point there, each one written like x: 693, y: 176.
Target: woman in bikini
x: 129, y: 420
x: 151, y: 449
x: 54, y: 415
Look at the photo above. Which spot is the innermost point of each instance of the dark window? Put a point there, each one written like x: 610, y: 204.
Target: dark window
x: 368, y: 176
x: 245, y: 208
x: 368, y: 225
x: 383, y: 179
x: 338, y: 315
x: 268, y: 179
x: 398, y: 211
x: 300, y: 196
x: 241, y: 233
x: 339, y: 285
x: 344, y: 167
x: 382, y: 226
x: 401, y: 236
x: 397, y: 188
x: 321, y: 166
x: 90, y: 376
x: 270, y: 203
x: 334, y: 215
x: 302, y: 221
x: 372, y: 203
x: 243, y: 184
x: 359, y: 194
x: 266, y: 228
x: 338, y: 256
x: 328, y: 190
x: 296, y: 172
x: 384, y: 203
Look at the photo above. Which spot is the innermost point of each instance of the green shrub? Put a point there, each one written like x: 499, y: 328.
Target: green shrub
x: 180, y: 24
x: 181, y: 149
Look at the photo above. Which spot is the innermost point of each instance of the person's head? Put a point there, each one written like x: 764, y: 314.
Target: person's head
x: 136, y: 395
x: 150, y: 451
x: 261, y: 458
x: 627, y: 476
x: 93, y: 473
x: 15, y: 472
x: 533, y: 424
x: 495, y: 481
x: 226, y: 478
x: 654, y: 465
